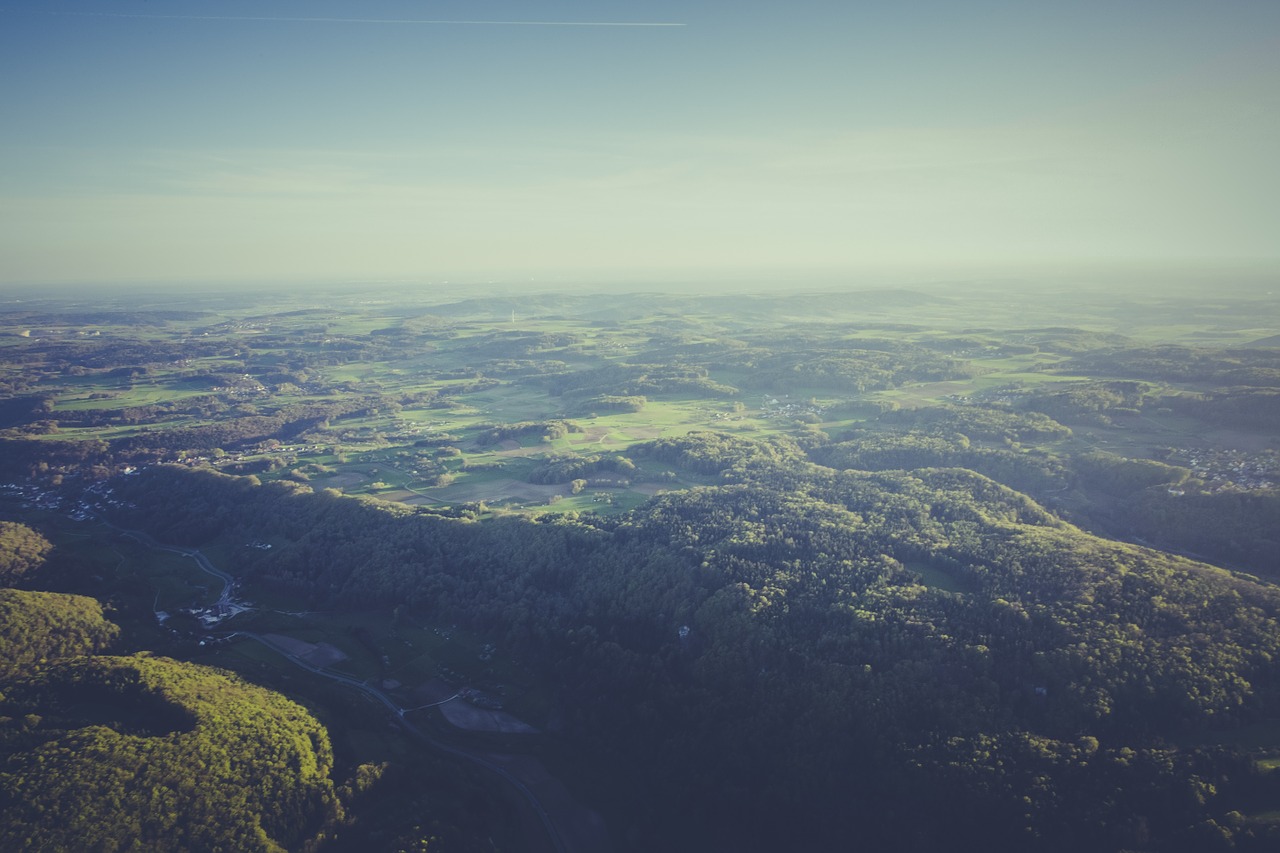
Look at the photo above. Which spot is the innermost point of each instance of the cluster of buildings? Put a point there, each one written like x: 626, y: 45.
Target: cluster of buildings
x: 93, y: 501
x: 772, y: 407
x: 1231, y: 470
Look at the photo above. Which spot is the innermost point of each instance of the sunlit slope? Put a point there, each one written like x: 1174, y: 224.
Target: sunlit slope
x: 140, y: 752
x: 805, y: 640
x: 39, y: 626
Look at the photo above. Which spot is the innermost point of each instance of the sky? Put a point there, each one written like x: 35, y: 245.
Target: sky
x: 434, y: 140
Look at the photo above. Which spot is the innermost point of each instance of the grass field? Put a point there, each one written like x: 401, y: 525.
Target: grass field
x: 415, y: 384
x: 937, y: 577
x: 476, y: 358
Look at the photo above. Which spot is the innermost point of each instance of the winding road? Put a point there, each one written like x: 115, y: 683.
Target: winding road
x: 554, y: 836
x: 228, y: 582
x: 477, y: 758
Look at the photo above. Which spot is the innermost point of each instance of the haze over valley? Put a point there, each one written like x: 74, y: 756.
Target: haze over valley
x: 576, y: 427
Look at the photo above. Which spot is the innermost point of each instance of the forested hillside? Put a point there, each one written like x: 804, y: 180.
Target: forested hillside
x: 142, y: 752
x: 150, y: 753
x: 784, y: 656
x: 910, y: 571
x: 36, y: 627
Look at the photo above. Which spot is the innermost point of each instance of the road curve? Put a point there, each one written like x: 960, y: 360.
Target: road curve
x: 553, y: 834
x: 201, y: 560
x: 369, y: 690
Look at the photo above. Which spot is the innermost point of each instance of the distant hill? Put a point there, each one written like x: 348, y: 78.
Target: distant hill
x: 633, y: 306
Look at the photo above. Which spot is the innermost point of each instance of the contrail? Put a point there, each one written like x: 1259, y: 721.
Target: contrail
x: 370, y: 20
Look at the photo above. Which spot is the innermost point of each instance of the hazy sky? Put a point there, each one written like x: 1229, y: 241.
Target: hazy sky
x: 193, y: 139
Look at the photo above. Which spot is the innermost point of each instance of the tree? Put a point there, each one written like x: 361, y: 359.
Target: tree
x: 22, y: 551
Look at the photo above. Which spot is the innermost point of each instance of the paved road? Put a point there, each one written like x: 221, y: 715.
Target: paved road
x: 202, y: 561
x: 553, y: 834
x: 475, y: 758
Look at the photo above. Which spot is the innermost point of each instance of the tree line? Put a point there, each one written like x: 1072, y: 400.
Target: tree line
x: 781, y: 658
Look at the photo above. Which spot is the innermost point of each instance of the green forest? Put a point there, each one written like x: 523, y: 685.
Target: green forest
x: 140, y: 752
x: 881, y: 571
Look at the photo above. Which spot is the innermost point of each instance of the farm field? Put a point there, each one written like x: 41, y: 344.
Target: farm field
x: 405, y: 386
x: 603, y: 544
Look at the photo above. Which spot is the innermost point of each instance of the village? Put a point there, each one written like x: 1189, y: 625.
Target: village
x: 1230, y: 470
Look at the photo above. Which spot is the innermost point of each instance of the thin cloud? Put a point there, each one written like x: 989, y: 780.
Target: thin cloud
x: 304, y: 20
